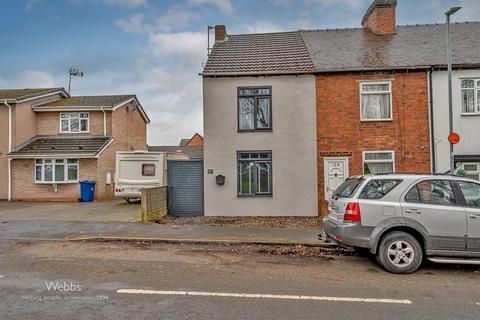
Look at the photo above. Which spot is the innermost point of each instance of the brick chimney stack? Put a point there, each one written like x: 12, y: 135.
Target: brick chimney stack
x: 380, y: 17
x: 220, y: 33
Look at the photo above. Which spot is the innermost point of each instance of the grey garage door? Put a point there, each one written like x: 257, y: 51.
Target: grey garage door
x: 185, y: 187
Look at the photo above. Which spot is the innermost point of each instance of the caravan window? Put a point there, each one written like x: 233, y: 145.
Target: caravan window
x: 148, y: 170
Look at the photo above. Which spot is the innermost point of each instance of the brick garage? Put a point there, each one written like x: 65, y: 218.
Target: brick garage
x: 340, y: 133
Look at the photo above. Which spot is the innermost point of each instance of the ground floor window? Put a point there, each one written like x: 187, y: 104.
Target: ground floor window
x: 56, y: 170
x: 472, y: 170
x: 254, y: 173
x: 378, y: 162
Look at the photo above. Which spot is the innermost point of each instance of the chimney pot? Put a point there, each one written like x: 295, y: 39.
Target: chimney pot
x: 220, y: 33
x: 380, y: 17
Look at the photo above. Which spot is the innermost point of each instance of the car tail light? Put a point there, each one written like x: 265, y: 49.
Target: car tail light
x: 352, y: 212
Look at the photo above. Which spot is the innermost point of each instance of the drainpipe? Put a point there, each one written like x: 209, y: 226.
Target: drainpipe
x: 433, y: 145
x: 9, y: 149
x: 104, y: 122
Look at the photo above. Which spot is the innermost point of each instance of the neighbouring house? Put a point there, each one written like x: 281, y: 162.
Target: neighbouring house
x: 57, y: 139
x: 192, y: 147
x: 288, y: 116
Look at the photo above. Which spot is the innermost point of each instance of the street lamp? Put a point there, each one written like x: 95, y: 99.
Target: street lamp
x: 75, y: 73
x: 449, y: 13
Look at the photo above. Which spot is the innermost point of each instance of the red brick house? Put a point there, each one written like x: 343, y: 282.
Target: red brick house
x: 372, y: 101
x: 57, y: 140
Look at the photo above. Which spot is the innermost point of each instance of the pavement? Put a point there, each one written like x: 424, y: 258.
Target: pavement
x: 166, y: 281
x: 115, y: 220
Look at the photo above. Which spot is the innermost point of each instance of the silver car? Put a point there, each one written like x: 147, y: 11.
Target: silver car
x: 402, y: 218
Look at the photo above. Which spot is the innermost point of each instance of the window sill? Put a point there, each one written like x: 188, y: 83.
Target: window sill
x: 255, y: 130
x: 470, y: 114
x: 56, y: 182
x: 377, y: 120
x: 254, y: 195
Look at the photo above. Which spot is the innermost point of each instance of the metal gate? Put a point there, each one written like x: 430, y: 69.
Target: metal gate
x: 185, y: 187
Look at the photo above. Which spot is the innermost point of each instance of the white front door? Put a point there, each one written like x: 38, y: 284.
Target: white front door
x: 335, y: 172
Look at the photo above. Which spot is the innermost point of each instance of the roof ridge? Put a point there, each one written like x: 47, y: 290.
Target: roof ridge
x: 104, y: 95
x: 262, y: 33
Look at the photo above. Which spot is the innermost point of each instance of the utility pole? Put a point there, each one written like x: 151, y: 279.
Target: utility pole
x: 448, y: 14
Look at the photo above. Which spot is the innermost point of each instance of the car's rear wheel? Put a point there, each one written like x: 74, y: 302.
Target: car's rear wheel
x: 400, y: 252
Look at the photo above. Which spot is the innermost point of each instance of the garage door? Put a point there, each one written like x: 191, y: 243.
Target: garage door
x: 185, y: 187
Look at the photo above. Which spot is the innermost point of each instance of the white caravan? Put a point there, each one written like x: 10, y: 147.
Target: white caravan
x: 136, y: 170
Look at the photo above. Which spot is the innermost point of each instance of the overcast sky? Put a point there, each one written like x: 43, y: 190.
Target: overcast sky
x: 155, y: 49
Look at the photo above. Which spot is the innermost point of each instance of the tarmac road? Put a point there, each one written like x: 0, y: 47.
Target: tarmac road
x: 110, y: 281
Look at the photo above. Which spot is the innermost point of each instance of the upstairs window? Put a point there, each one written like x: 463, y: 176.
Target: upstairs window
x: 254, y: 109
x: 470, y: 89
x: 74, y: 122
x: 375, y: 101
x: 254, y: 173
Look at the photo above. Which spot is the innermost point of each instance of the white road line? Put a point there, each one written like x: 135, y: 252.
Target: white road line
x: 262, y: 296
x: 2, y: 275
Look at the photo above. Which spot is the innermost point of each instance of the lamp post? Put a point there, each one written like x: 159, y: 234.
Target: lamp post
x: 448, y: 14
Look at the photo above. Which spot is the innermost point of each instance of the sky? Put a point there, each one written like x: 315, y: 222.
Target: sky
x: 156, y: 48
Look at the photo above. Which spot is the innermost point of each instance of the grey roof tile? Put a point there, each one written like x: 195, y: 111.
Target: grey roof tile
x: 63, y: 145
x: 22, y: 94
x: 89, y: 101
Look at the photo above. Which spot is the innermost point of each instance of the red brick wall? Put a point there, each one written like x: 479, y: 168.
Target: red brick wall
x: 341, y: 133
x: 382, y: 20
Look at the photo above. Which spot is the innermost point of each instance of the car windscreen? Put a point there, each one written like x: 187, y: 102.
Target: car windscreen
x: 348, y: 188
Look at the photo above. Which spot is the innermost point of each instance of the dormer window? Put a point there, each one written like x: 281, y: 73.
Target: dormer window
x: 74, y: 122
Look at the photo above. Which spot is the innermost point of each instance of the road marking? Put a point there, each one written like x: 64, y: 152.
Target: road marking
x: 262, y: 296
x: 2, y: 275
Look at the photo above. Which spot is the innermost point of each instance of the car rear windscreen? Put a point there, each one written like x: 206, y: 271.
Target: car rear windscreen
x: 348, y: 188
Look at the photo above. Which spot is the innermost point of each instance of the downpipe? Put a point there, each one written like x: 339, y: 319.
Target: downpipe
x: 9, y: 161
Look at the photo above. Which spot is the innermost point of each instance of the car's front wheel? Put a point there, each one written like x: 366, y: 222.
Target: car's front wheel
x: 400, y: 252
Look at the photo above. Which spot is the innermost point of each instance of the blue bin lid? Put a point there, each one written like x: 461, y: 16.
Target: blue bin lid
x: 88, y: 181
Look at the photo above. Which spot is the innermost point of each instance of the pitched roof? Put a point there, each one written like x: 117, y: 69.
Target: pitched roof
x: 190, y: 152
x: 411, y: 46
x: 22, y: 94
x: 183, y: 142
x: 309, y: 51
x: 280, y: 52
x: 82, y: 146
x: 89, y: 101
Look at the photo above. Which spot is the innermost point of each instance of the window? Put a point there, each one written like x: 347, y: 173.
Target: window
x: 148, y: 170
x: 254, y: 173
x: 56, y: 170
x: 375, y: 101
x: 377, y: 189
x: 74, y: 122
x: 254, y: 109
x: 470, y: 91
x: 438, y: 192
x: 348, y: 187
x: 471, y: 170
x: 378, y: 162
x: 471, y: 193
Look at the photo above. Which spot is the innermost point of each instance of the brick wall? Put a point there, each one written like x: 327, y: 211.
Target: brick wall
x: 48, y: 123
x: 195, y: 141
x: 382, y: 20
x: 25, y: 188
x: 340, y: 133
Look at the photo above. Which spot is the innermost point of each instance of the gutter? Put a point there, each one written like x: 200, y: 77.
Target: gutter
x: 9, y: 165
x: 432, y: 129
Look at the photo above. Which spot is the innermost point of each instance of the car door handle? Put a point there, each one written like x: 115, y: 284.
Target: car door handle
x: 475, y: 216
x: 413, y: 211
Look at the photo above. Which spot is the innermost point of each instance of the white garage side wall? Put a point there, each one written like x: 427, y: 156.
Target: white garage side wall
x: 468, y: 126
x: 292, y: 142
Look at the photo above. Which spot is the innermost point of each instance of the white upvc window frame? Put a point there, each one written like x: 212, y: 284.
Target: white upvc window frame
x: 392, y: 152
x: 43, y: 162
x: 476, y: 92
x: 81, y: 116
x: 469, y: 172
x: 360, y: 85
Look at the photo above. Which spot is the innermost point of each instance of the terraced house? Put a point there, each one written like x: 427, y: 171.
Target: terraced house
x: 290, y: 115
x: 51, y: 140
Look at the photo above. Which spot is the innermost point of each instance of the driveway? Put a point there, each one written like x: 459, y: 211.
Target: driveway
x: 98, y: 211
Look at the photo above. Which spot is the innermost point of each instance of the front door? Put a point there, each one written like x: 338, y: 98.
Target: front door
x: 471, y: 193
x: 335, y: 173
